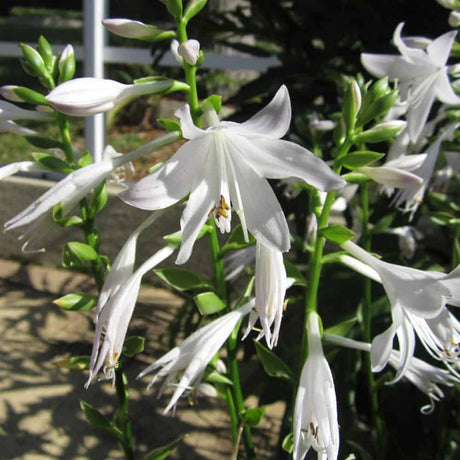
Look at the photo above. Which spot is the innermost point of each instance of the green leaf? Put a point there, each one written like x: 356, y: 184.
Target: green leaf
x: 182, y: 279
x: 193, y: 8
x: 160, y: 453
x: 379, y: 108
x: 169, y: 125
x: 71, y: 221
x: 273, y: 365
x: 83, y: 252
x: 30, y: 96
x: 34, y: 59
x: 76, y: 302
x: 133, y: 345
x: 98, y: 420
x: 236, y: 241
x: 341, y: 329
x: 216, y: 377
x: 381, y: 132
x: 383, y: 224
x: 247, y: 293
x: 99, y: 199
x: 442, y: 218
x: 288, y: 443
x: 43, y: 142
x: 174, y: 8
x: 294, y: 273
x: 253, y: 416
x: 215, y: 101
x: 337, y: 233
x: 51, y: 162
x: 209, y: 303
x: 75, y: 363
x: 359, y: 159
x: 85, y: 160
x: 175, y: 239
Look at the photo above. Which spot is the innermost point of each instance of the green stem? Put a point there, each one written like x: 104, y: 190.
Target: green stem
x: 456, y: 247
x: 121, y: 385
x: 366, y: 243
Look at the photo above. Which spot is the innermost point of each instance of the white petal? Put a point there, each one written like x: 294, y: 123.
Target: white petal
x: 188, y: 128
x: 406, y: 340
x: 8, y: 126
x: 278, y: 159
x: 172, y: 181
x: 391, y: 177
x: 379, y: 65
x: 439, y: 49
x: 13, y: 168
x: 407, y: 162
x: 272, y: 121
x: 189, y: 50
x: 444, y: 91
x: 418, y: 113
x: 414, y: 55
x: 263, y: 213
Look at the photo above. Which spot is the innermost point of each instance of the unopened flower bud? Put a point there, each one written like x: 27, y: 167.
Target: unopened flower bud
x: 351, y: 104
x: 381, y: 132
x: 454, y: 18
x: 66, y: 64
x: 128, y: 28
x: 8, y: 93
x: 10, y: 111
x: 188, y: 51
x: 390, y: 176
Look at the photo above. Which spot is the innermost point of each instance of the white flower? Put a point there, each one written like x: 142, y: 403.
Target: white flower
x: 424, y: 376
x: 271, y: 284
x: 13, y: 168
x: 391, y: 176
x: 409, y: 199
x: 70, y: 190
x: 8, y: 126
x: 237, y: 261
x: 187, y: 51
x: 87, y: 96
x: 194, y: 354
x: 315, y: 412
x: 129, y: 28
x: 407, y: 239
x: 10, y: 111
x: 225, y: 166
x: 422, y: 76
x: 414, y: 294
x: 112, y: 321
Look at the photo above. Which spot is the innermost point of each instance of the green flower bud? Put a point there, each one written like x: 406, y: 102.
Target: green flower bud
x: 381, y: 132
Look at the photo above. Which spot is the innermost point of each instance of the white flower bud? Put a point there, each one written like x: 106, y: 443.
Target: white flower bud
x: 187, y: 51
x: 127, y: 28
x: 8, y: 93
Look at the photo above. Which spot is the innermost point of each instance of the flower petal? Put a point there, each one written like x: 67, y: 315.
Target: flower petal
x: 188, y: 128
x: 439, y: 49
x: 172, y: 181
x: 379, y: 65
x: 272, y: 121
x: 444, y: 91
x: 278, y: 159
x: 418, y: 112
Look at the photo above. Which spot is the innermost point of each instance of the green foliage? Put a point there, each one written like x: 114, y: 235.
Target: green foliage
x: 160, y: 453
x: 75, y: 363
x: 183, y: 280
x: 133, y: 345
x: 209, y: 303
x: 273, y: 365
x: 76, y: 302
x: 253, y: 416
x: 337, y: 234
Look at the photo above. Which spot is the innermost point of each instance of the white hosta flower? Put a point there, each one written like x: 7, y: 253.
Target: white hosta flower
x: 87, y: 96
x: 424, y: 376
x: 113, y: 320
x: 413, y: 294
x: 409, y: 199
x: 237, y: 261
x: 315, y: 412
x: 10, y: 111
x: 129, y: 28
x: 183, y: 366
x: 13, y: 168
x: 187, y: 51
x: 271, y: 284
x: 70, y: 190
x: 407, y: 239
x: 391, y: 176
x: 225, y: 167
x: 421, y: 74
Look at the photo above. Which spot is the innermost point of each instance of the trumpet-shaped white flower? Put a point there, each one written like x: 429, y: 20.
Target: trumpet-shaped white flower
x: 271, y: 284
x: 416, y: 296
x: 13, y: 168
x: 225, y: 167
x: 8, y: 126
x: 70, y: 190
x: 315, y: 412
x: 87, y: 96
x: 187, y: 51
x: 391, y: 176
x: 129, y: 28
x: 10, y: 111
x: 409, y: 199
x: 424, y: 376
x: 194, y: 354
x: 422, y: 76
x: 113, y: 320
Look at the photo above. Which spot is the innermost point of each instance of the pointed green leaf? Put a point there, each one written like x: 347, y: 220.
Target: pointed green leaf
x: 288, y: 443
x: 133, y: 345
x: 337, y: 233
x: 84, y: 252
x: 208, y: 303
x: 294, y: 273
x: 215, y: 101
x: 76, y: 302
x: 216, y: 377
x: 236, y: 241
x: 253, y: 416
x: 247, y: 293
x: 169, y: 125
x: 94, y: 417
x: 341, y: 329
x: 99, y: 199
x: 359, y: 159
x: 175, y: 239
x: 160, y: 453
x: 85, y: 160
x: 43, y: 142
x: 193, y: 8
x: 182, y: 279
x: 51, y: 162
x: 273, y: 365
x: 383, y: 224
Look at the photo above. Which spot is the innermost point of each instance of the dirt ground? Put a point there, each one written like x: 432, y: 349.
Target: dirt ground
x: 40, y: 417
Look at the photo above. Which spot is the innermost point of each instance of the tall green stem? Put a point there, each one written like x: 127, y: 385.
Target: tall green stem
x: 366, y: 243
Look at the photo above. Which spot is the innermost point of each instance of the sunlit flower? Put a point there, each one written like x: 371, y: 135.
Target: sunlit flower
x: 113, y: 320
x: 10, y: 111
x: 13, y: 168
x: 129, y: 28
x: 88, y: 96
x: 415, y: 296
x: 70, y: 190
x: 8, y: 126
x: 391, y: 176
x: 225, y: 167
x: 421, y: 74
x: 424, y: 376
x: 315, y: 412
x: 187, y: 51
x: 271, y: 284
x: 183, y: 366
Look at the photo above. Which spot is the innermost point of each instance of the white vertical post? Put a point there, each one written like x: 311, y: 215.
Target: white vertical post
x: 94, y: 39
